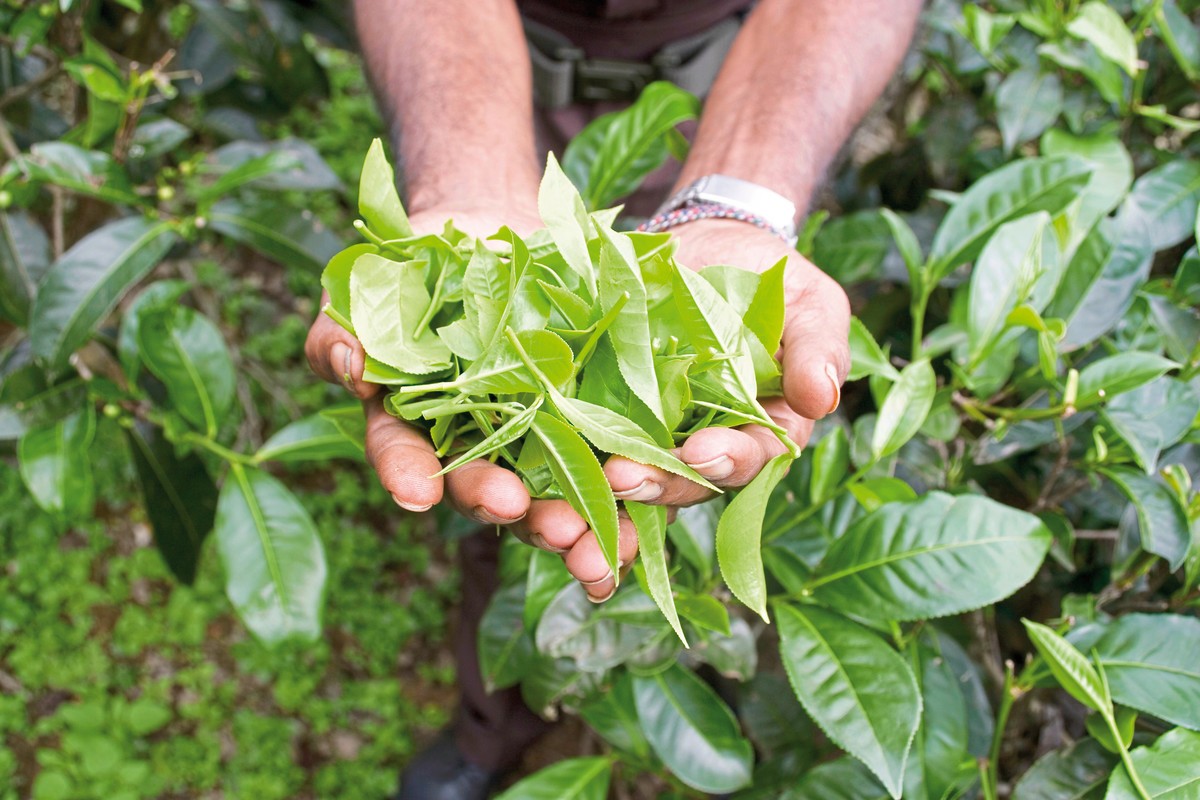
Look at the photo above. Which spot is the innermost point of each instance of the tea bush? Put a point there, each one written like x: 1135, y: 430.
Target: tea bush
x: 981, y: 577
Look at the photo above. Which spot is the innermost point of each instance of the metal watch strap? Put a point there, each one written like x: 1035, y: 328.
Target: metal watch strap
x: 752, y: 198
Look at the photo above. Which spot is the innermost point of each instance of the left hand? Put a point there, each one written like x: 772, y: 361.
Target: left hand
x: 814, y: 357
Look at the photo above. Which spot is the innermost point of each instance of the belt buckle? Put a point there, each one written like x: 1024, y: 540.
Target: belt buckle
x: 602, y: 80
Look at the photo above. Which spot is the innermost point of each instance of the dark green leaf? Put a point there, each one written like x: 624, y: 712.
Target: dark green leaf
x: 544, y: 579
x: 704, y: 611
x: 272, y: 556
x: 276, y: 231
x: 187, y: 353
x: 572, y: 779
x: 866, y: 357
x: 694, y: 534
x: 54, y: 464
x: 1077, y: 772
x: 1181, y: 37
x: 313, y: 438
x: 1101, y: 26
x: 1112, y: 172
x: 1153, y: 417
x: 86, y: 172
x: 1022, y: 187
x: 278, y: 166
x: 1164, y: 201
x: 843, y: 779
x: 1070, y: 667
x: 610, y: 157
x: 1109, y: 377
x: 739, y: 536
x: 613, y: 715
x: 179, y: 495
x: 157, y: 295
x: 831, y: 460
x: 859, y: 690
x: 1150, y: 663
x: 692, y: 731
x: 1099, y: 282
x: 83, y: 286
x: 1168, y: 769
x: 852, y: 248
x: 505, y: 647
x: 934, y: 556
x: 1016, y: 264
x: 1161, y: 519
x: 939, y: 751
x: 24, y: 259
x: 904, y: 410
x: 1028, y: 101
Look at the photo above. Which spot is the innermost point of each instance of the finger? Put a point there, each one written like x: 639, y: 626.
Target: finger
x: 403, y: 458
x: 815, y: 348
x: 585, y: 561
x: 727, y: 457
x: 487, y: 493
x: 551, y: 525
x: 336, y: 356
x: 798, y: 428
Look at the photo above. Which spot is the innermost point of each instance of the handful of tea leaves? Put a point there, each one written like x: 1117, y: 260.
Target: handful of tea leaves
x: 547, y: 352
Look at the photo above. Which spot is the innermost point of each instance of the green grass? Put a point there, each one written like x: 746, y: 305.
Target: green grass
x: 119, y: 683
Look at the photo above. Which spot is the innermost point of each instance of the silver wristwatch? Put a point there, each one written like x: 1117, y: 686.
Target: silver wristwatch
x: 752, y: 198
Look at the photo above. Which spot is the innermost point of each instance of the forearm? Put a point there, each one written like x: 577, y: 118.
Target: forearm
x: 798, y: 79
x: 453, y: 79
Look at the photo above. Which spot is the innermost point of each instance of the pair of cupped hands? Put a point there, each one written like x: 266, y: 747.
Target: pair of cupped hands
x: 814, y: 356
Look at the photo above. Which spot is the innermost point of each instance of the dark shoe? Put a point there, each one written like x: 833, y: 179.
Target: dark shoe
x: 442, y: 772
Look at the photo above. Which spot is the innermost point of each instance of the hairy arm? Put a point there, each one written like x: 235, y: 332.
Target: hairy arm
x: 454, y: 79
x: 798, y: 79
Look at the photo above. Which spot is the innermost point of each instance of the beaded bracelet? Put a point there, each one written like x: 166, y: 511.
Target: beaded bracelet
x: 696, y: 211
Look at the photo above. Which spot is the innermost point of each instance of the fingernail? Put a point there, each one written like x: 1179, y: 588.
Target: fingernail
x: 413, y: 507
x: 607, y: 577
x: 539, y: 541
x: 715, y: 469
x: 599, y: 600
x: 831, y: 371
x: 483, y: 515
x: 339, y: 357
x: 644, y: 491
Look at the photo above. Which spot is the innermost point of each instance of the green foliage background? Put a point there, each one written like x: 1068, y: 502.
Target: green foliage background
x: 1071, y: 400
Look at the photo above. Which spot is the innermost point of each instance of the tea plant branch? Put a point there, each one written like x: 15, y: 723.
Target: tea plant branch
x: 1008, y: 695
x: 1106, y: 712
x: 7, y: 143
x: 232, y: 456
x: 19, y: 92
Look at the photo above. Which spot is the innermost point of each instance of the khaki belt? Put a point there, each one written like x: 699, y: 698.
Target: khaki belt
x: 563, y: 75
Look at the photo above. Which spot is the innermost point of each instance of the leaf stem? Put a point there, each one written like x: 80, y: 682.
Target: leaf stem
x: 208, y: 444
x: 919, y: 304
x: 1008, y: 693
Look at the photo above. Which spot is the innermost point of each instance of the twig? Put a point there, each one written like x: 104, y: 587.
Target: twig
x: 7, y: 142
x: 38, y: 50
x: 19, y: 92
x: 1056, y: 473
x: 56, y: 221
x: 985, y: 634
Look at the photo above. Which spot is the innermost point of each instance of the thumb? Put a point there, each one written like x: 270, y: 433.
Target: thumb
x: 815, y: 345
x: 336, y: 356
